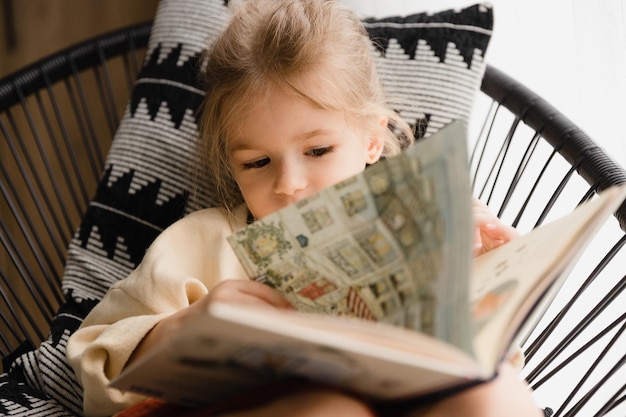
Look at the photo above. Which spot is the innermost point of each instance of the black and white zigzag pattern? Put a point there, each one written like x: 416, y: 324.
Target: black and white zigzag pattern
x: 433, y: 63
x: 145, y: 185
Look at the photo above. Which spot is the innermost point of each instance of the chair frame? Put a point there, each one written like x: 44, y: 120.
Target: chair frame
x: 41, y: 272
x: 533, y: 121
x: 33, y: 95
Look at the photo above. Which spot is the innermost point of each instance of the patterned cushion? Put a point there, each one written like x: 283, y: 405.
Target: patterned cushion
x: 433, y: 61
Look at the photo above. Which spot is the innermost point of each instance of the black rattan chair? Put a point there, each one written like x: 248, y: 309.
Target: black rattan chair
x: 57, y: 119
x: 532, y: 164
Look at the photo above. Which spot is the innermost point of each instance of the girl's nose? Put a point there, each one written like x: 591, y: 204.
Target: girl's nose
x: 290, y: 179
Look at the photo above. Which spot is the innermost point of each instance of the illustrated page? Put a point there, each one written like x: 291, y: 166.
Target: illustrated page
x: 392, y: 244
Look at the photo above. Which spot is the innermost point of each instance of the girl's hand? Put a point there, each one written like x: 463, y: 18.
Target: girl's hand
x: 245, y: 292
x: 490, y: 231
x: 230, y: 291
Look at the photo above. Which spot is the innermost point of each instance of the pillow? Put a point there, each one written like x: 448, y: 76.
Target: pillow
x: 434, y: 61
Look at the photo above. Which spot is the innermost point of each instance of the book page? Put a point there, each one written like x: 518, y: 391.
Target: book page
x: 234, y: 348
x: 392, y: 244
x: 508, y: 281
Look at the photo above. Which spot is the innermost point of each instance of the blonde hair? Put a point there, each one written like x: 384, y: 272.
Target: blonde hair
x: 271, y: 44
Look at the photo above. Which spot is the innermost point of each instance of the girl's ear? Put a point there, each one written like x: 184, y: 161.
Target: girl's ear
x: 377, y: 140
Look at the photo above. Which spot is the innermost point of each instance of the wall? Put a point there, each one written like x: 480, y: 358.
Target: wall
x: 42, y: 27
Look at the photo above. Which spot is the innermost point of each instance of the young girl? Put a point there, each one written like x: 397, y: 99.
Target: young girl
x: 293, y: 105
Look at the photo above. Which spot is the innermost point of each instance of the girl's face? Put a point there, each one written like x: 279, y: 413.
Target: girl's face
x: 288, y: 149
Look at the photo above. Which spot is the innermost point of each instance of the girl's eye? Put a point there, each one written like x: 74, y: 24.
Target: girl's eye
x: 318, y: 152
x: 259, y: 163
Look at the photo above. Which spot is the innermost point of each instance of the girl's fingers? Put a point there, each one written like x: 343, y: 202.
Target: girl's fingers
x: 247, y: 292
x: 265, y: 293
x: 489, y: 235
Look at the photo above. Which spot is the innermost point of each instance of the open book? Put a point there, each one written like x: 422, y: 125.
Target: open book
x: 389, y: 301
